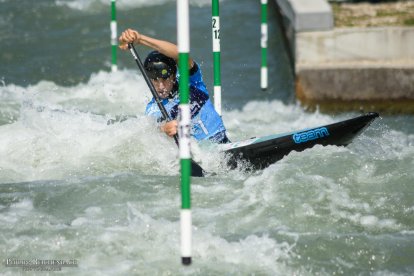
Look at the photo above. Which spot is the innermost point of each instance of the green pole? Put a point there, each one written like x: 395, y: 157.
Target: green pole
x: 216, y: 54
x: 263, y: 44
x: 114, y: 44
x: 183, y: 34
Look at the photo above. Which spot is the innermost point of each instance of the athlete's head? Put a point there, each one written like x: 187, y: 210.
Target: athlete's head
x: 161, y: 70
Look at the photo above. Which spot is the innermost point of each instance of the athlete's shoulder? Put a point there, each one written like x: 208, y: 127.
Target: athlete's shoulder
x: 196, y: 78
x: 195, y: 71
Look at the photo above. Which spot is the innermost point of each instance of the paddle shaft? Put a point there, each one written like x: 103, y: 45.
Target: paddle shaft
x: 154, y: 93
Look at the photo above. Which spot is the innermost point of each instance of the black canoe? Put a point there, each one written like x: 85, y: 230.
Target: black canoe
x: 260, y: 152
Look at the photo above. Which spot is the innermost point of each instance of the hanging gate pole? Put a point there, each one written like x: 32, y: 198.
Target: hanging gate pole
x: 183, y: 34
x: 114, y: 44
x: 263, y: 44
x: 215, y: 26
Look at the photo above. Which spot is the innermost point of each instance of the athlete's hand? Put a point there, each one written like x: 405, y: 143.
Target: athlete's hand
x: 170, y: 128
x: 128, y: 36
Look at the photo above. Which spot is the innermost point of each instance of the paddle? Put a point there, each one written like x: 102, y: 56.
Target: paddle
x: 196, y: 169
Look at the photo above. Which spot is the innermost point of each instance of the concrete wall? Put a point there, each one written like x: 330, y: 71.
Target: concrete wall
x: 307, y: 15
x: 356, y: 45
x: 356, y: 83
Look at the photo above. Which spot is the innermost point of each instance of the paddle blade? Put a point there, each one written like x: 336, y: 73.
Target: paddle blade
x: 196, y: 169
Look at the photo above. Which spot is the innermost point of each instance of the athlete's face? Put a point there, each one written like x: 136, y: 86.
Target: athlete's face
x: 163, y: 86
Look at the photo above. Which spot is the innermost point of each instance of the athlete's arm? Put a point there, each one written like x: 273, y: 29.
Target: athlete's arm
x: 167, y: 48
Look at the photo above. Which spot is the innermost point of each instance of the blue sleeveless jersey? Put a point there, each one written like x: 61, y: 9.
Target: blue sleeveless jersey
x: 205, y: 121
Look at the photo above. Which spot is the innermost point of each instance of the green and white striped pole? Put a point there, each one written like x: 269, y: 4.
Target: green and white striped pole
x: 216, y: 54
x: 183, y: 34
x: 263, y: 44
x: 114, y: 44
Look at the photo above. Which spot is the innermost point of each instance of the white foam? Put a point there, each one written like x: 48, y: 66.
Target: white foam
x: 17, y: 211
x: 52, y: 144
x: 54, y: 138
x: 259, y: 118
x: 252, y: 253
x: 369, y: 221
x: 79, y: 221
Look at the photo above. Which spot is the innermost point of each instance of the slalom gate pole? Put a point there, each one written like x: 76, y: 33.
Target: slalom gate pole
x: 183, y: 37
x: 114, y: 44
x: 216, y: 54
x: 263, y: 44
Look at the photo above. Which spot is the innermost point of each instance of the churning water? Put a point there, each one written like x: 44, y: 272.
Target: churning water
x: 85, y: 176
